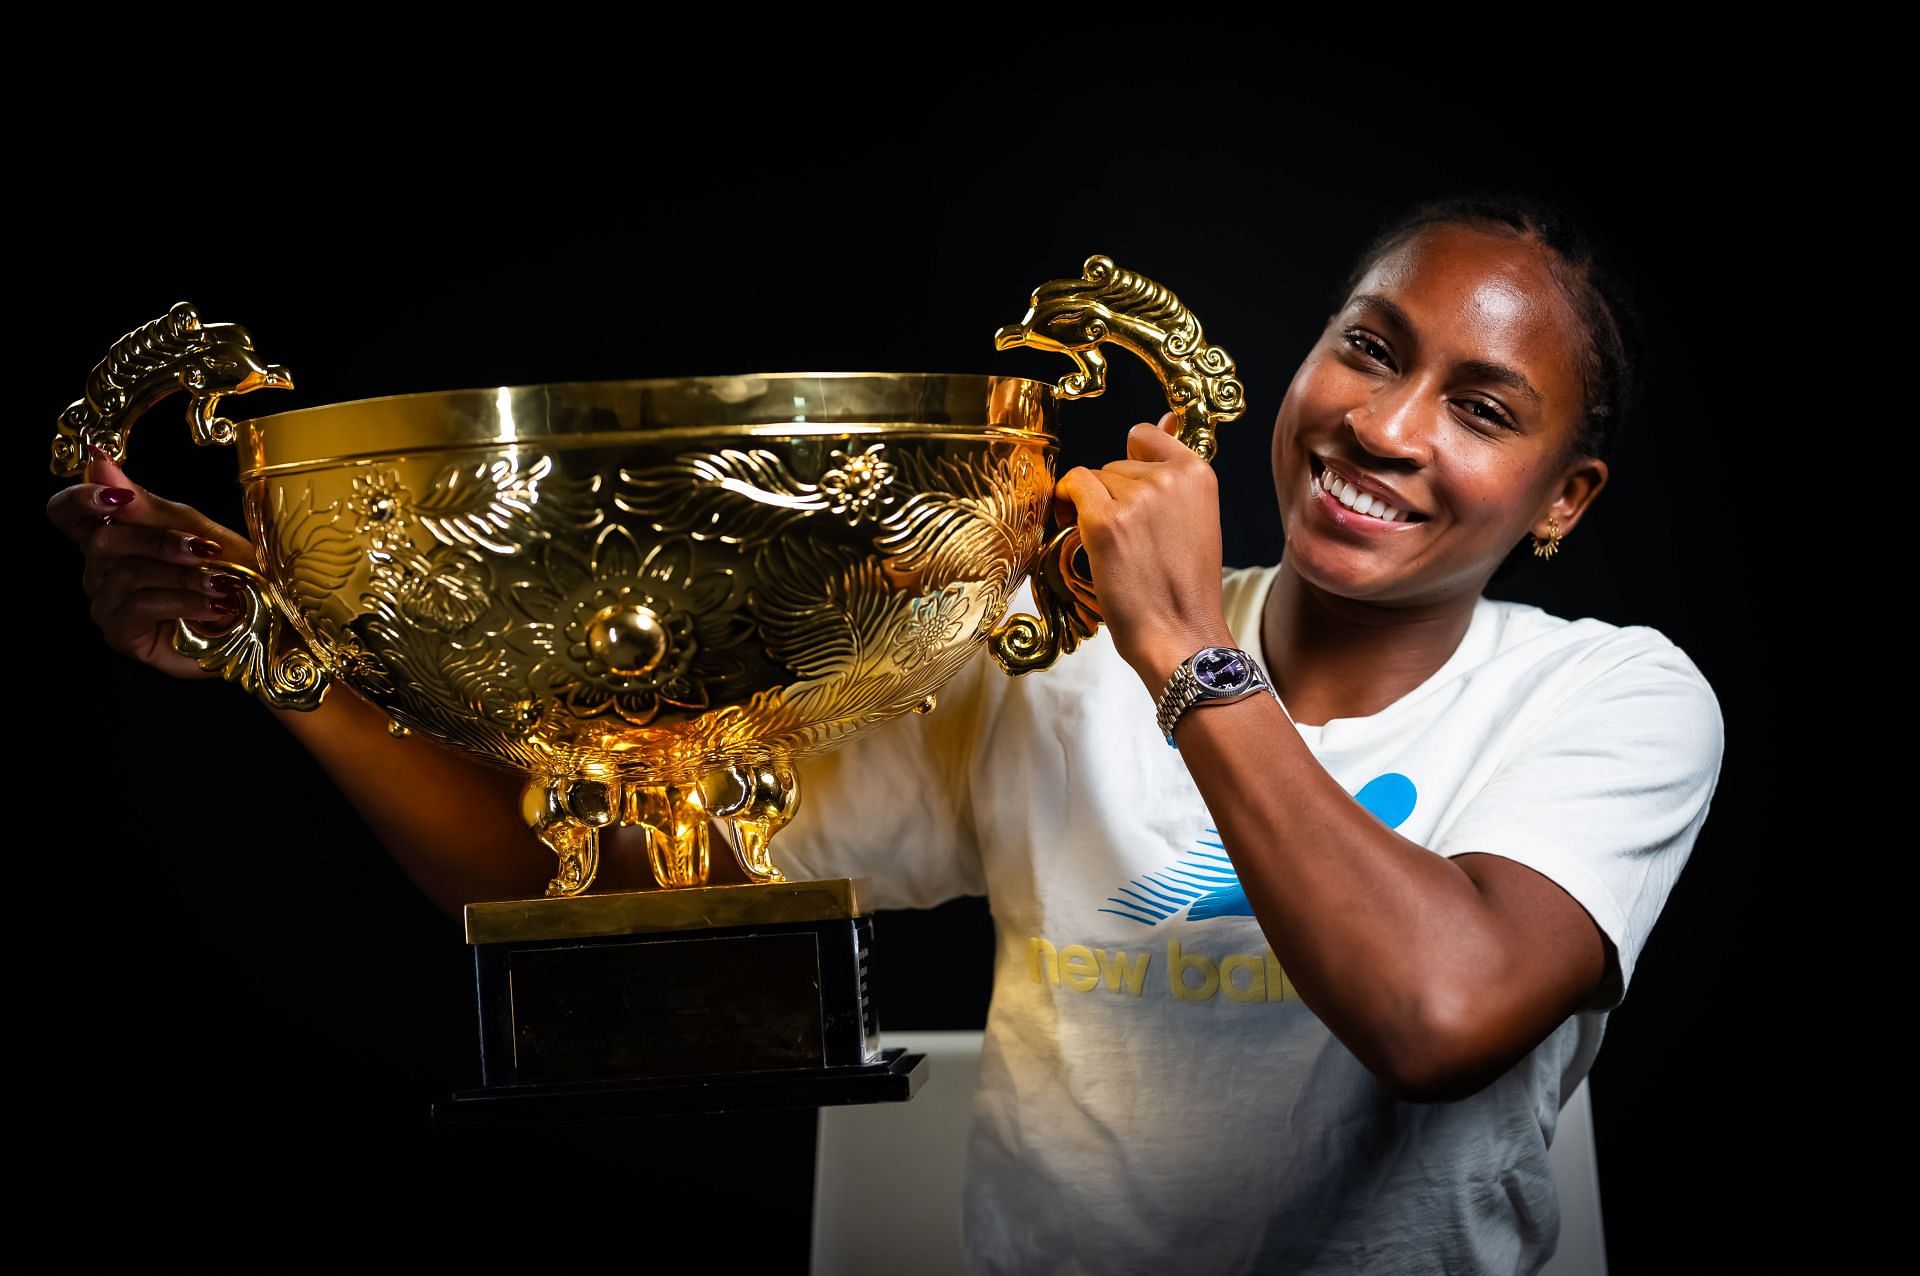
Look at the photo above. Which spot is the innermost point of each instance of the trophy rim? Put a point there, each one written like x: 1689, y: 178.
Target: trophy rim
x: 1045, y: 389
x: 621, y: 412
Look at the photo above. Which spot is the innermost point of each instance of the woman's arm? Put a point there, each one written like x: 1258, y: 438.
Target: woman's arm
x: 453, y: 823
x: 1437, y: 973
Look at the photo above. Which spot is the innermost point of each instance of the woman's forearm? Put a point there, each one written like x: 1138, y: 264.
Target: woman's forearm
x: 1439, y: 973
x: 451, y: 822
x: 1370, y: 926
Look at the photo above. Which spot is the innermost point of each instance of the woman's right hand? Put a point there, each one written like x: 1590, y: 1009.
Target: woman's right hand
x: 143, y: 564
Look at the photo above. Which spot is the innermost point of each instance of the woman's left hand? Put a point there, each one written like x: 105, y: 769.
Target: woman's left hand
x: 1151, y: 524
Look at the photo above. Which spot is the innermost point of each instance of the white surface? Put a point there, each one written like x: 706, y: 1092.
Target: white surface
x: 887, y: 1179
x: 1583, y: 1250
x: 886, y: 1186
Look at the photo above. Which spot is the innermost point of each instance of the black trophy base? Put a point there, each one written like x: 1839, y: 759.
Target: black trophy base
x: 655, y: 1003
x: 893, y: 1080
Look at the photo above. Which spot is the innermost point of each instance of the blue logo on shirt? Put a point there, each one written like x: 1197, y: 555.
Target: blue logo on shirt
x: 1205, y: 884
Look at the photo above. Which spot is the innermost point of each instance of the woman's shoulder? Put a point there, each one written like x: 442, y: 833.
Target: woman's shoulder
x: 1592, y: 649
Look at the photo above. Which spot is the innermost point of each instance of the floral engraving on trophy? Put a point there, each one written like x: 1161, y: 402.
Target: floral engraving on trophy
x: 746, y: 496
x: 931, y: 625
x: 504, y: 504
x: 820, y: 608
x: 459, y: 687
x: 631, y: 632
x: 756, y: 609
x: 378, y: 505
x: 969, y: 519
x: 448, y: 591
x: 732, y: 496
x: 857, y: 482
x: 306, y: 547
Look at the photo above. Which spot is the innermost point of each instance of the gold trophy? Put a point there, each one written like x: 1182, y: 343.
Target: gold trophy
x: 649, y: 597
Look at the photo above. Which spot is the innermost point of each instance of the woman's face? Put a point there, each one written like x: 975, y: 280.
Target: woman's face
x: 1446, y: 385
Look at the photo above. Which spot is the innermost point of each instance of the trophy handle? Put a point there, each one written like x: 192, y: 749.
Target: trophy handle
x: 256, y: 651
x: 209, y: 362
x: 174, y: 352
x: 1069, y: 610
x: 1074, y: 317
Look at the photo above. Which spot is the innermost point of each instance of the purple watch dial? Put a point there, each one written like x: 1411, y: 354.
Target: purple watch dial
x: 1222, y: 669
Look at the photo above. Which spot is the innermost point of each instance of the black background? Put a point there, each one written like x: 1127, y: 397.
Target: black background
x: 231, y: 1010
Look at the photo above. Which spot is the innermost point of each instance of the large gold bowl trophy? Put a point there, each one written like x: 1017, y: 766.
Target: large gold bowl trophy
x: 650, y: 597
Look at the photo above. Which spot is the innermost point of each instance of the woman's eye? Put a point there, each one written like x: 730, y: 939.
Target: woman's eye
x: 1488, y: 412
x: 1365, y: 344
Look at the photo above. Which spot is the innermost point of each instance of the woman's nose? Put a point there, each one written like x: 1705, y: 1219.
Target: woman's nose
x: 1393, y: 426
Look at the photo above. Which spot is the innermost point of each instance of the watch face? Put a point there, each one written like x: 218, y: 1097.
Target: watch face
x: 1222, y: 669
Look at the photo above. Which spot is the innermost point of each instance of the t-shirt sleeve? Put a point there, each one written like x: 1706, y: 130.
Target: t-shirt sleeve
x: 894, y: 803
x: 1606, y: 795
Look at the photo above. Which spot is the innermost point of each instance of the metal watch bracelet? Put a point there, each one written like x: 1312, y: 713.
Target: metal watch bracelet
x: 1183, y: 691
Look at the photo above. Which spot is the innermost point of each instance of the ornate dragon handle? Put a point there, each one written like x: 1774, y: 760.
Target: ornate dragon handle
x: 209, y: 361
x: 1074, y: 317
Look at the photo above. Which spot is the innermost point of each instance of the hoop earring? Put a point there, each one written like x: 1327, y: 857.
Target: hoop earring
x: 1549, y: 547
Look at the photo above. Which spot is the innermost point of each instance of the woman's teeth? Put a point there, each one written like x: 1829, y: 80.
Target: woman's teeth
x: 1356, y: 500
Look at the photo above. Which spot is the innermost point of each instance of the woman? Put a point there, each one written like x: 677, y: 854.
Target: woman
x: 1305, y: 991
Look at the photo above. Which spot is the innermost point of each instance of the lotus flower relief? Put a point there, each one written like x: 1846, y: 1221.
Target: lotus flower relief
x: 855, y: 483
x: 631, y: 633
x: 379, y: 505
x: 930, y: 626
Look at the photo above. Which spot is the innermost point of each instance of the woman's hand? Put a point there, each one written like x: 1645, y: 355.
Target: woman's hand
x: 1151, y: 524
x: 143, y: 557
x: 451, y: 821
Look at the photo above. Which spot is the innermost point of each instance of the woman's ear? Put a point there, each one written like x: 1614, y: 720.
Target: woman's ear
x: 1582, y: 481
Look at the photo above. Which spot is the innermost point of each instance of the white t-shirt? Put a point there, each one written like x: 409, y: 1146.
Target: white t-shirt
x: 1154, y: 1096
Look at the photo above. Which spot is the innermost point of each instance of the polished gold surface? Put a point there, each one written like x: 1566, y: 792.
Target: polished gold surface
x: 845, y: 410
x: 259, y: 652
x: 1109, y: 304
x: 643, y: 912
x: 1069, y: 610
x: 652, y: 630
x: 174, y: 352
x: 651, y: 596
x: 1548, y: 547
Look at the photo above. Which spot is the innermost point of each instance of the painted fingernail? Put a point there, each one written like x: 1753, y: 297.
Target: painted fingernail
x: 223, y: 586
x: 223, y: 607
x: 115, y: 496
x: 201, y: 547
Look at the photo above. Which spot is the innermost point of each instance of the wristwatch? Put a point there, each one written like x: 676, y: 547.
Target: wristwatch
x: 1211, y: 675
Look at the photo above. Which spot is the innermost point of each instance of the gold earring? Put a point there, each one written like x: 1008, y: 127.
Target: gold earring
x: 1549, y: 547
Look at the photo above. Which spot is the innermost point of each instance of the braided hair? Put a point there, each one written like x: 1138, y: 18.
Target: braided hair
x: 1609, y: 364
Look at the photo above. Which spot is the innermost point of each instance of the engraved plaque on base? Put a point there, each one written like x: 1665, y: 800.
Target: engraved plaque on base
x: 651, y: 1002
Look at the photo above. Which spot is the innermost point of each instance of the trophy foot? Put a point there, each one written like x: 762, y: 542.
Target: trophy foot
x: 756, y: 800
x: 752, y: 856
x: 675, y: 820
x: 567, y: 815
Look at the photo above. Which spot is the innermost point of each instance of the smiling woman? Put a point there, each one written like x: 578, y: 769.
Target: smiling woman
x: 1306, y: 991
x: 1307, y: 994
x: 1463, y: 383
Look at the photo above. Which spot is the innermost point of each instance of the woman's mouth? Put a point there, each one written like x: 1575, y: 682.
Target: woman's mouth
x: 1349, y: 506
